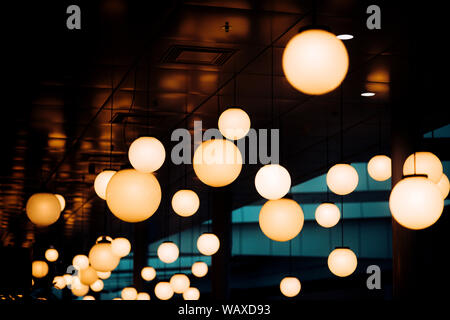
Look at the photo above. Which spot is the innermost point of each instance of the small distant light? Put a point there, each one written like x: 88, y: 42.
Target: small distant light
x: 345, y: 36
x: 367, y: 94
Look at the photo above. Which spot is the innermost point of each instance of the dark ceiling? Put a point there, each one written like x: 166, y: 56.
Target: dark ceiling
x: 154, y: 66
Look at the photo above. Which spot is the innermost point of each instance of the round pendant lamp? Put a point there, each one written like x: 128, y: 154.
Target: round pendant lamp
x: 80, y: 261
x: 59, y: 282
x: 163, y: 290
x: 217, y: 162
x: 148, y: 273
x: 281, y: 220
x: 199, y: 269
x: 327, y: 214
x: 234, y: 123
x: 208, y: 244
x: 129, y: 293
x: 97, y: 286
x: 272, y: 181
x: 168, y: 252
x: 78, y: 289
x: 39, y: 269
x: 191, y: 294
x: 101, y: 182
x: 43, y: 209
x: 121, y: 247
x: 315, y: 62
x: 143, y: 296
x: 179, y: 282
x: 342, y: 262
x: 88, y: 298
x: 133, y: 196
x: 416, y: 202
x: 146, y: 154
x: 342, y: 179
x: 102, y: 257
x: 443, y: 186
x: 380, y: 167
x: 185, y: 203
x: 104, y: 275
x: 51, y: 255
x: 290, y: 286
x: 423, y: 163
x: 88, y: 276
x: 62, y: 201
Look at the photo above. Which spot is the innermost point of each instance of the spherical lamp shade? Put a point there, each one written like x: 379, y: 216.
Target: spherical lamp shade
x: 416, y: 202
x: 146, y: 154
x: 88, y: 298
x: 133, y: 196
x: 342, y: 262
x: 163, y: 290
x: 59, y: 282
x: 272, y: 181
x: 88, y: 276
x: 104, y: 275
x: 327, y: 214
x: 117, y: 298
x: 80, y: 261
x: 97, y: 286
x: 443, y: 186
x: 342, y: 179
x: 102, y: 258
x: 43, y: 209
x: 199, y: 269
x: 129, y: 293
x: 423, y: 163
x: 290, y: 286
x: 78, y: 289
x: 51, y: 255
x: 101, y: 182
x: 121, y: 247
x: 191, y: 294
x: 185, y: 203
x: 380, y: 168
x: 39, y: 269
x: 208, y: 244
x: 67, y: 279
x: 62, y: 201
x: 148, y: 273
x: 179, y: 282
x: 217, y: 162
x: 143, y: 296
x: 281, y: 220
x: 315, y: 62
x: 168, y: 252
x: 234, y: 123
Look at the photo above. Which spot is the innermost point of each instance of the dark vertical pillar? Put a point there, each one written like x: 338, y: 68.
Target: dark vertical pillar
x: 139, y: 248
x: 221, y: 227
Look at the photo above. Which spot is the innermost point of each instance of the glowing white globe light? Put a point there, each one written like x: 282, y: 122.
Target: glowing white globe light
x: 342, y: 179
x: 67, y: 279
x: 281, y: 220
x: 102, y: 258
x: 80, y: 261
x: 185, y: 203
x: 272, y: 181
x: 380, y: 167
x: 78, y: 289
x: 101, y: 182
x: 121, y: 247
x: 425, y: 163
x: 62, y: 201
x: 315, y: 62
x: 148, y: 273
x: 88, y: 298
x: 217, y: 162
x: 208, y: 244
x: 327, y: 214
x: 43, y: 209
x: 143, y: 296
x: 199, y: 269
x: 179, y: 282
x: 129, y: 293
x: 51, y: 255
x: 133, y: 196
x: 443, y: 186
x: 191, y: 294
x: 342, y: 262
x: 234, y: 123
x: 97, y: 286
x: 104, y: 275
x: 290, y: 286
x: 146, y: 154
x: 416, y: 202
x: 117, y: 298
x: 168, y: 252
x: 39, y: 269
x: 59, y: 282
x: 88, y: 276
x: 163, y: 290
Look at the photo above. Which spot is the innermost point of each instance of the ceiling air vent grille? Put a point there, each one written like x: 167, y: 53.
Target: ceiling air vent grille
x: 197, y: 55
